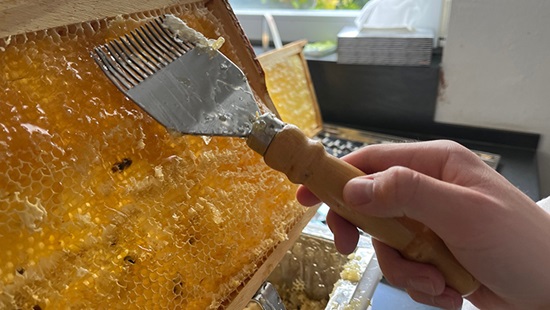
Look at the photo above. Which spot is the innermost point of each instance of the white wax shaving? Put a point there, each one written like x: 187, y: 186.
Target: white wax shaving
x: 186, y: 33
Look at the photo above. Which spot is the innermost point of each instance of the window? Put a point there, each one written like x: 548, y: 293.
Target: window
x: 314, y: 20
x: 317, y: 20
x: 296, y: 25
x: 300, y: 4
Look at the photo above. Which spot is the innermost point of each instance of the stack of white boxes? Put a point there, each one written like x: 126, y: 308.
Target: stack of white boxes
x: 385, y: 47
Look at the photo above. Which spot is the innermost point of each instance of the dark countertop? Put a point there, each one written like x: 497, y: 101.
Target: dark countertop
x: 518, y: 151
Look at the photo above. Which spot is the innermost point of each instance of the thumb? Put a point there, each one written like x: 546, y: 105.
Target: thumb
x: 400, y: 191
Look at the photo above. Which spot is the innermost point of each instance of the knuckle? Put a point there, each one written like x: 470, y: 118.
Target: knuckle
x: 449, y: 144
x: 458, y: 152
x: 400, y: 185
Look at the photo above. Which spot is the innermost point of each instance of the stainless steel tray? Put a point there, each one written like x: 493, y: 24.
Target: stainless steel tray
x: 313, y: 275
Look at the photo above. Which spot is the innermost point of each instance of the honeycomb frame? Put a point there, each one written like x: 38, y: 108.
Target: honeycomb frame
x: 290, y: 87
x: 101, y: 207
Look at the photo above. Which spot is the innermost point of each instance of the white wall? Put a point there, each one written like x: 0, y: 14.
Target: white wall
x: 496, y: 66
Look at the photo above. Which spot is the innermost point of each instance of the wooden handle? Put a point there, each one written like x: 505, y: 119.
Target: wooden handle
x: 306, y: 162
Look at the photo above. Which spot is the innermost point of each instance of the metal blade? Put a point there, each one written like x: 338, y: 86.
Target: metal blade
x: 200, y: 93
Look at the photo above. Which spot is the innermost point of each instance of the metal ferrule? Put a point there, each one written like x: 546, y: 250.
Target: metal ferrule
x: 268, y: 298
x: 264, y: 129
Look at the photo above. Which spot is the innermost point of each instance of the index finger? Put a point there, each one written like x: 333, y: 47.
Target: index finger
x: 306, y: 197
x: 438, y: 159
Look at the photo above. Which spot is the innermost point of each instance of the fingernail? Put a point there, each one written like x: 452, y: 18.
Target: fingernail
x: 358, y: 191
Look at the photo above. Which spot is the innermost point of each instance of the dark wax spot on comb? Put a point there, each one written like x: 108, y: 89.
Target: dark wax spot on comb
x: 121, y: 165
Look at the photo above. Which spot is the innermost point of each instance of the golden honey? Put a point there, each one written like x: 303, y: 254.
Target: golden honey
x: 288, y: 82
x: 101, y: 207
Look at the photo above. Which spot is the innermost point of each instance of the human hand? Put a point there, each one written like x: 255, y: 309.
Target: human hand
x: 495, y: 231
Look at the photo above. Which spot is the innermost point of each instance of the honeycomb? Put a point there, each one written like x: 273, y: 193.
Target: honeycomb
x: 101, y: 207
x: 289, y: 86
